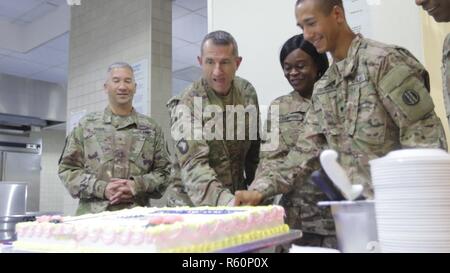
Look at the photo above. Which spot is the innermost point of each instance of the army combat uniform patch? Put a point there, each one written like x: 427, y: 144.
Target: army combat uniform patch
x: 183, y: 146
x: 410, y: 97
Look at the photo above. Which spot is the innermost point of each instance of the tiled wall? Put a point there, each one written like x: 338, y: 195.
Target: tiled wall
x: 161, y: 62
x: 52, y: 191
x: 106, y: 31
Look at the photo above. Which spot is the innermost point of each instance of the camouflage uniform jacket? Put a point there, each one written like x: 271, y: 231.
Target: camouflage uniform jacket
x: 104, y: 146
x: 446, y: 75
x: 212, y: 170
x: 377, y: 103
x: 300, y: 203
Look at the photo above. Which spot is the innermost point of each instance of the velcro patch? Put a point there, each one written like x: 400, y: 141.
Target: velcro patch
x: 411, y: 97
x: 183, y: 146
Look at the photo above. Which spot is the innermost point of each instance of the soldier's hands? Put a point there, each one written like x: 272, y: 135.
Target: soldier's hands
x: 120, y: 191
x: 111, y: 189
x: 231, y: 203
x: 247, y: 198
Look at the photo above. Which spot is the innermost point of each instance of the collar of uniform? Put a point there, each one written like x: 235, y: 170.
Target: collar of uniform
x: 108, y: 114
x: 209, y: 88
x: 214, y: 98
x: 446, y: 48
x: 304, y: 103
x: 333, y: 75
x: 351, y: 62
x: 173, y: 101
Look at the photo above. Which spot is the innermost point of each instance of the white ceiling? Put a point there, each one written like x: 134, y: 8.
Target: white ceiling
x: 189, y: 26
x: 45, y: 56
x: 42, y: 58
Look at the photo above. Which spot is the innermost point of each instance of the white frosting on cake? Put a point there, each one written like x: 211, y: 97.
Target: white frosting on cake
x: 182, y: 229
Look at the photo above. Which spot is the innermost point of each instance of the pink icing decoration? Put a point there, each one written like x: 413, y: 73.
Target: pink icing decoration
x: 58, y: 230
x: 259, y: 219
x: 124, y: 237
x: 227, y: 227
x: 43, y: 218
x: 241, y: 224
x: 216, y: 227
x: 170, y: 219
x: 94, y: 234
x: 108, y: 237
x: 31, y: 231
x: 180, y: 234
x: 67, y: 230
x: 185, y: 235
x: 156, y: 220
x: 159, y: 238
x: 80, y: 234
x: 138, y: 237
x: 21, y: 231
x: 49, y: 232
x: 203, y: 232
x: 149, y: 239
x: 191, y: 232
x: 165, y: 219
x: 39, y: 230
x: 56, y: 218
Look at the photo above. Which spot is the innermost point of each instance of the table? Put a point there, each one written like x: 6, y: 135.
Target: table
x: 248, y: 247
x: 264, y: 243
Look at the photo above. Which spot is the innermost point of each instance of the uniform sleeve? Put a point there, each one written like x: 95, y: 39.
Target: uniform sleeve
x: 253, y: 155
x: 301, y: 161
x: 71, y: 169
x: 446, y: 76
x: 157, y: 180
x: 404, y: 86
x: 274, y: 149
x: 192, y: 152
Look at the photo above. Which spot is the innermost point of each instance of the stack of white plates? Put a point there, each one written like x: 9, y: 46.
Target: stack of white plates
x: 309, y: 249
x: 412, y: 200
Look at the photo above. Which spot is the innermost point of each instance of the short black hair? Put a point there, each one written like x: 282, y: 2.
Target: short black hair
x: 298, y: 42
x: 221, y: 37
x: 326, y: 5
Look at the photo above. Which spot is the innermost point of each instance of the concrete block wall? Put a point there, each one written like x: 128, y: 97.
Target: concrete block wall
x: 52, y: 191
x: 161, y: 62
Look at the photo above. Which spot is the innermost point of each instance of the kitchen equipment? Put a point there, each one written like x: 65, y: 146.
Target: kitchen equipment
x: 13, y: 198
x: 321, y: 180
x: 328, y: 160
x: 8, y: 226
x: 412, y: 195
x: 13, y: 203
x: 20, y: 160
x: 8, y: 223
x: 356, y: 227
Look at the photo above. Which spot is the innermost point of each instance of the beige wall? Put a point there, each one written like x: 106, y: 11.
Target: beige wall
x: 433, y: 40
x: 52, y: 191
x: 262, y: 26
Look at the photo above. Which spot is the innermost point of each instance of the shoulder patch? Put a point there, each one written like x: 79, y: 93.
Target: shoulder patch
x: 182, y: 146
x: 411, y: 97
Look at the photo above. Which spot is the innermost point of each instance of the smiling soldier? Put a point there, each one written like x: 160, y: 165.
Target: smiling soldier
x: 373, y: 99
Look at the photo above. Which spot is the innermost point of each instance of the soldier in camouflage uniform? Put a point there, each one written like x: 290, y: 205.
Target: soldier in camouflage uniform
x: 115, y: 159
x: 209, y: 171
x: 302, y: 66
x: 373, y: 99
x: 440, y: 10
